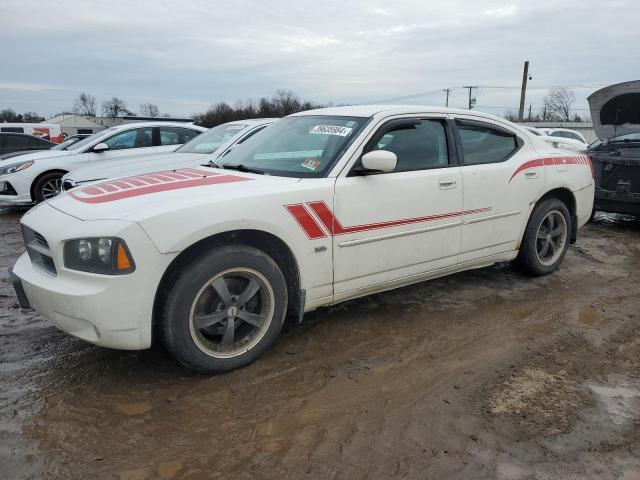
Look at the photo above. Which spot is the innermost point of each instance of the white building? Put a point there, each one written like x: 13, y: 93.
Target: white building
x: 76, y: 124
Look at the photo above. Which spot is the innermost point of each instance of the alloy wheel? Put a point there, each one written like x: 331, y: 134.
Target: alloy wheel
x: 231, y: 312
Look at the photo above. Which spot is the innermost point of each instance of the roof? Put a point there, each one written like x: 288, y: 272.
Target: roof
x: 387, y: 110
x: 253, y: 121
x: 127, y: 126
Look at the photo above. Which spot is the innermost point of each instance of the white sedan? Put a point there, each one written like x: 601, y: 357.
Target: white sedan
x: 204, y: 148
x: 37, y: 176
x: 321, y: 207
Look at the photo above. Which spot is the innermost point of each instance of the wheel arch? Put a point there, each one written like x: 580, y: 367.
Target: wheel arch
x: 42, y: 174
x: 267, y: 242
x: 567, y: 197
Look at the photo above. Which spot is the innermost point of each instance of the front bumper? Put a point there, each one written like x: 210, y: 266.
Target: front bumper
x: 15, y: 189
x: 617, y: 202
x: 108, y: 310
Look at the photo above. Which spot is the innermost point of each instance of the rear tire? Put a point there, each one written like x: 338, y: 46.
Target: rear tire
x: 224, y: 309
x: 545, y: 239
x: 47, y: 186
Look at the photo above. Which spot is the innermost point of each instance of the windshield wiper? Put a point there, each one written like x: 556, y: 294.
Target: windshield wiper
x: 242, y: 168
x: 213, y: 164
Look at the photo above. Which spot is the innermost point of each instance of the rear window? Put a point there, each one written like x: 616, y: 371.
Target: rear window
x: 485, y: 143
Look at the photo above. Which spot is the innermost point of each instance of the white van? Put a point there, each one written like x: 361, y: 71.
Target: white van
x: 47, y: 131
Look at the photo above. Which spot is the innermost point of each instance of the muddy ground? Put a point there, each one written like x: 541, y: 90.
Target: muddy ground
x: 485, y: 374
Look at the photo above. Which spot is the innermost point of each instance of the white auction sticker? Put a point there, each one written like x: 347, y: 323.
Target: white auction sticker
x: 331, y: 130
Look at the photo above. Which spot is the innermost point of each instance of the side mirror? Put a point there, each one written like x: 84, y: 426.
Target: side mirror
x: 379, y: 161
x: 100, y: 147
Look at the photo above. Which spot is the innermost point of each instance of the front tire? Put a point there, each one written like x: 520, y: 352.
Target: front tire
x: 47, y: 186
x: 546, y: 239
x: 224, y: 309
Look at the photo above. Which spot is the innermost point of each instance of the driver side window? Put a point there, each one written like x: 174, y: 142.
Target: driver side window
x: 418, y: 146
x: 137, y: 138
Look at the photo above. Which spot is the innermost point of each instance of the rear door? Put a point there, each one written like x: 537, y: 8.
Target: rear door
x: 389, y: 227
x: 502, y: 175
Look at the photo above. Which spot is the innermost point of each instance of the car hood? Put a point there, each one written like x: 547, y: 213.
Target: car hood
x: 615, y: 110
x: 143, y: 196
x: 135, y: 165
x: 37, y: 155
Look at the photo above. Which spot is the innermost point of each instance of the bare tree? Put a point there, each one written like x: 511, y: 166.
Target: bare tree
x: 281, y: 104
x: 114, y: 107
x: 557, y: 104
x: 149, y: 110
x: 32, y: 117
x: 85, y: 104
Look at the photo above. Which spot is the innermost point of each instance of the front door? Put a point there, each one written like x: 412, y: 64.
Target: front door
x: 390, y: 227
x: 137, y: 141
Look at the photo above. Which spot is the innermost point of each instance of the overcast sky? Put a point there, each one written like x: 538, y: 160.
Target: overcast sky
x: 185, y: 55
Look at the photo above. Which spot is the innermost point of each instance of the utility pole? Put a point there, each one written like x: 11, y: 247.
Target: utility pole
x: 447, y: 90
x: 471, y: 100
x: 529, y: 113
x: 525, y: 77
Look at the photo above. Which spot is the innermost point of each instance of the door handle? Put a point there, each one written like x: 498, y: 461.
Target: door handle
x: 446, y: 182
x: 531, y: 174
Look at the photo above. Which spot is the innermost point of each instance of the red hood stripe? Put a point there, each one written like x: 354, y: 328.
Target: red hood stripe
x: 153, y: 183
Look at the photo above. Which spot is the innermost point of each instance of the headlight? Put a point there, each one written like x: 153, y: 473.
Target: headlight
x: 15, y: 167
x: 108, y: 255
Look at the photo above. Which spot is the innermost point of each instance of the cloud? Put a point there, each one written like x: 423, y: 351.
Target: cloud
x: 185, y: 55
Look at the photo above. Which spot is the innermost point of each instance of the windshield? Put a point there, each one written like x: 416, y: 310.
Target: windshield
x: 629, y: 137
x: 211, y: 140
x: 304, y: 146
x: 91, y: 138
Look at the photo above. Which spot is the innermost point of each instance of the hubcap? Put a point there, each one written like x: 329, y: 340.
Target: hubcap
x: 51, y: 188
x: 231, y: 312
x: 551, y: 238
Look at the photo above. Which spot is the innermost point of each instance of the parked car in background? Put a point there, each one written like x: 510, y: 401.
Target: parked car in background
x: 565, y: 133
x: 615, y: 111
x: 52, y: 146
x: 322, y: 206
x: 34, y: 177
x: 46, y: 131
x: 77, y: 137
x: 203, y: 149
x: 21, y: 142
x: 557, y: 141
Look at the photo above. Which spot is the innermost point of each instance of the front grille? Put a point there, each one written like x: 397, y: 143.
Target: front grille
x: 38, y: 250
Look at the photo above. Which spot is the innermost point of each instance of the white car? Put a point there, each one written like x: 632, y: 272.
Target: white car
x: 321, y: 207
x: 565, y: 133
x: 37, y: 176
x: 203, y: 149
x: 562, y: 140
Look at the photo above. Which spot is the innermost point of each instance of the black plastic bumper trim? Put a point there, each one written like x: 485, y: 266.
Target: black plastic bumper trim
x: 17, y: 286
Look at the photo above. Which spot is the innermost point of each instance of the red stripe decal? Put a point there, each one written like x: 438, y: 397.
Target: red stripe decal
x: 334, y: 227
x: 153, y: 183
x: 550, y: 161
x: 305, y: 220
